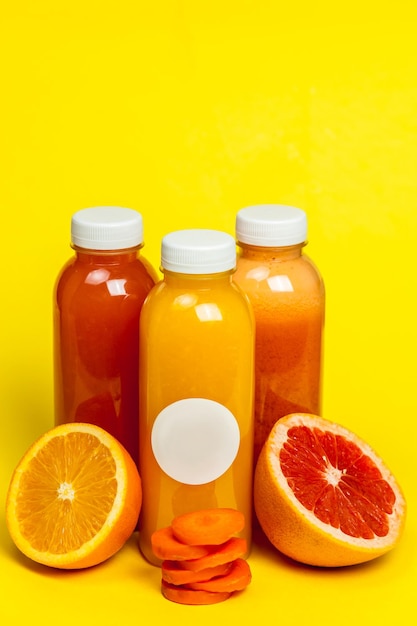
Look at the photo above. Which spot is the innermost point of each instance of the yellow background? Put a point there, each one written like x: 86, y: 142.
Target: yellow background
x: 186, y: 111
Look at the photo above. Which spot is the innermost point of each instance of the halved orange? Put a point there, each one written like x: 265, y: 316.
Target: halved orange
x: 74, y: 498
x: 323, y: 496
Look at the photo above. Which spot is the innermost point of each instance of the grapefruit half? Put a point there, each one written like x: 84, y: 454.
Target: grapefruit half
x: 323, y: 496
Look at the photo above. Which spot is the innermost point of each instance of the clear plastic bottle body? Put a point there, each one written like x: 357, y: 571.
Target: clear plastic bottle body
x: 288, y: 300
x: 197, y: 338
x: 98, y: 297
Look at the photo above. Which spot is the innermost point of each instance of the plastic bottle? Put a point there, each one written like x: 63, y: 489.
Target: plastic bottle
x: 98, y: 297
x: 196, y: 385
x: 288, y: 299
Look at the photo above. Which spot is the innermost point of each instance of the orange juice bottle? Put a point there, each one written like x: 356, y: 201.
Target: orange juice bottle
x: 288, y: 300
x: 97, y: 301
x: 196, y: 385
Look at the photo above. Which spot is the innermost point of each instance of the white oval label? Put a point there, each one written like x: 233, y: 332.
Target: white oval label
x: 195, y: 440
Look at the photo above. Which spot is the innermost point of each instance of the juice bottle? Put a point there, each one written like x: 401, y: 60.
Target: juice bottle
x: 97, y: 301
x: 288, y: 299
x: 196, y: 385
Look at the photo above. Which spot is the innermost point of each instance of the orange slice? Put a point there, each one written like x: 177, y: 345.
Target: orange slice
x: 323, y: 496
x: 74, y: 498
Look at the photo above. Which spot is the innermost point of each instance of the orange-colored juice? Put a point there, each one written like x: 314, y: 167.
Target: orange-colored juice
x: 287, y: 296
x: 196, y: 395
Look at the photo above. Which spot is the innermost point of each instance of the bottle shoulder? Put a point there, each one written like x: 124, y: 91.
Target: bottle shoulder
x: 164, y: 292
x: 194, y: 302
x: 270, y: 274
x: 89, y: 278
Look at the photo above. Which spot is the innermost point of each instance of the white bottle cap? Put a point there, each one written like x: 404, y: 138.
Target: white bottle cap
x: 271, y: 225
x: 198, y: 251
x: 106, y: 228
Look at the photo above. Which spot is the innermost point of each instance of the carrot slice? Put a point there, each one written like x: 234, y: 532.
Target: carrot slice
x: 184, y: 595
x: 225, y: 553
x: 208, y: 526
x: 166, y: 546
x: 237, y: 579
x: 173, y: 572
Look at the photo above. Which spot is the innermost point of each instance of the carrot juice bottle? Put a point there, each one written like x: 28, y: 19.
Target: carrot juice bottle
x: 196, y: 385
x: 97, y: 301
x: 288, y: 299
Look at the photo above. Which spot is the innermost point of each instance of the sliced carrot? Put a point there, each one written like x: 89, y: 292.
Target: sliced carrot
x: 208, y: 526
x: 173, y: 572
x: 166, y: 546
x: 184, y: 595
x: 225, y: 553
x: 236, y: 579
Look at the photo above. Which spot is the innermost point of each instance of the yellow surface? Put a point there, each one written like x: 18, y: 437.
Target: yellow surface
x: 187, y: 111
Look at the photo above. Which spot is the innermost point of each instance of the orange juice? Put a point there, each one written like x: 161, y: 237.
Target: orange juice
x: 196, y: 385
x: 287, y: 296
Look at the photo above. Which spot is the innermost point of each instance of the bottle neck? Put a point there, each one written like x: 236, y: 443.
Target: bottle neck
x: 278, y: 253
x: 202, y: 281
x: 107, y: 257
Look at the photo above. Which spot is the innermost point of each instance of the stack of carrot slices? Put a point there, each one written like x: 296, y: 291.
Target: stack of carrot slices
x: 201, y: 556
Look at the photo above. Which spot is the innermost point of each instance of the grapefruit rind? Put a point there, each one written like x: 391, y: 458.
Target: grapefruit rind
x: 296, y: 531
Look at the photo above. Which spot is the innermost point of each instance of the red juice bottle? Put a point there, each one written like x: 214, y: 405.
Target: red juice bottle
x: 98, y: 297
